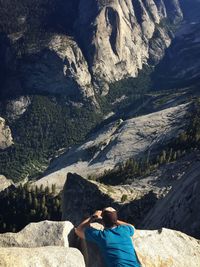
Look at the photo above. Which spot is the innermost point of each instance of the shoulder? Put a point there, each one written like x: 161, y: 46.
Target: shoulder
x: 128, y: 228
x: 92, y: 234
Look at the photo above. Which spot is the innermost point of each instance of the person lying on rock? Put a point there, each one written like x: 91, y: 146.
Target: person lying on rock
x: 114, y: 241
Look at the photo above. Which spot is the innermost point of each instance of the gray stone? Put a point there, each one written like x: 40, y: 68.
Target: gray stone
x: 45, y: 233
x: 180, y: 208
x: 41, y: 257
x: 167, y: 248
x: 6, y: 139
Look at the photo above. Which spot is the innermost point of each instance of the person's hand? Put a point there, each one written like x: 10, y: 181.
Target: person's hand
x: 98, y: 214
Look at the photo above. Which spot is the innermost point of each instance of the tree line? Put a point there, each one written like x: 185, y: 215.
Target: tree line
x: 24, y: 204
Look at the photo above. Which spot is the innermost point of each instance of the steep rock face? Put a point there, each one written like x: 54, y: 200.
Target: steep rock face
x: 180, y: 209
x: 115, y: 39
x: 75, y: 66
x: 78, y: 193
x: 116, y: 35
x: 5, y: 135
x: 59, y: 68
x: 41, y: 257
x: 180, y: 64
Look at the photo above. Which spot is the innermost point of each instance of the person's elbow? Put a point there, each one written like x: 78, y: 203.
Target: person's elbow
x: 80, y: 233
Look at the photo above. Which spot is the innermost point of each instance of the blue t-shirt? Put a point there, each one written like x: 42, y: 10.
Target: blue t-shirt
x: 115, y: 244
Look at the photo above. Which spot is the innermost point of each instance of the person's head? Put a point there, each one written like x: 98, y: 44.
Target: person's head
x: 109, y: 217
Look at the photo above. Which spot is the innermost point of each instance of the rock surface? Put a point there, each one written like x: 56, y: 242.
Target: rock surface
x: 45, y: 233
x: 16, y: 108
x: 116, y: 143
x: 159, y: 248
x: 109, y: 40
x: 41, y: 257
x: 167, y: 248
x: 180, y: 209
x: 4, y: 182
x: 137, y: 205
x: 75, y: 66
x: 117, y: 35
x: 6, y: 139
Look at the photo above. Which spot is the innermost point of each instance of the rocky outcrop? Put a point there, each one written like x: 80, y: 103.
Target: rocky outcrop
x: 60, y: 68
x: 158, y: 248
x: 118, y: 142
x: 109, y: 41
x: 75, y: 66
x: 78, y: 193
x: 16, y: 108
x: 4, y: 183
x: 6, y: 139
x: 43, y: 244
x: 167, y: 248
x: 180, y: 209
x: 42, y: 234
x: 41, y: 257
x: 116, y: 35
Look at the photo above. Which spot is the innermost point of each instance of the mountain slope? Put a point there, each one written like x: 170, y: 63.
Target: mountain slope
x: 118, y: 142
x: 60, y: 59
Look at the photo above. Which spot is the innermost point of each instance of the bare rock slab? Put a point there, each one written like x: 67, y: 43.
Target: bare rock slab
x: 41, y: 257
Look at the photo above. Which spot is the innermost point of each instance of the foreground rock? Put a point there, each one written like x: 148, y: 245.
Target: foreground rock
x: 167, y: 248
x: 46, y: 244
x: 45, y: 233
x: 41, y: 257
x: 160, y: 248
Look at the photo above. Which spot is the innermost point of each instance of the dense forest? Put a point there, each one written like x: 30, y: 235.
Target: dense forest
x: 46, y: 127
x: 25, y: 204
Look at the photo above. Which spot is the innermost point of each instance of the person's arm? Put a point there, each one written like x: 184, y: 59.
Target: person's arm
x: 80, y: 230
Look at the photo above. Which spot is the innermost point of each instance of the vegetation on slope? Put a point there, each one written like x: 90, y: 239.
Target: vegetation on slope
x: 47, y: 126
x: 22, y: 205
x: 187, y: 141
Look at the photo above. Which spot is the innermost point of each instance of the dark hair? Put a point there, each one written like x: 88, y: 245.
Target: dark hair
x: 109, y: 218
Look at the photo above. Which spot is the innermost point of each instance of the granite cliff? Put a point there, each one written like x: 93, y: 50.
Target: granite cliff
x: 60, y: 60
x: 104, y: 41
